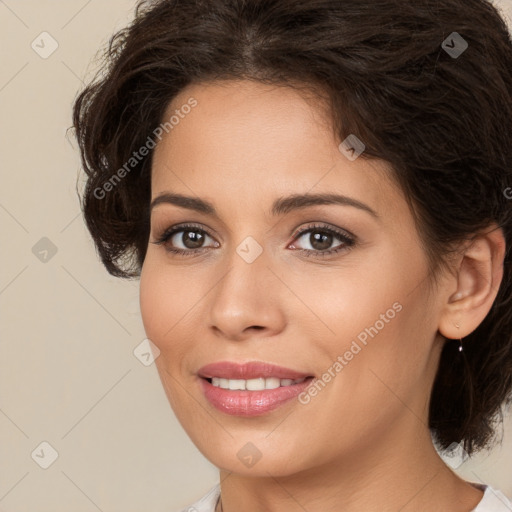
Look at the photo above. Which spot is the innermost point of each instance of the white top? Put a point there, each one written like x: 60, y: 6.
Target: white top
x: 492, y: 501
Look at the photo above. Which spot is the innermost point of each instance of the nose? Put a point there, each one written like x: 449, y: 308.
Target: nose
x: 247, y: 301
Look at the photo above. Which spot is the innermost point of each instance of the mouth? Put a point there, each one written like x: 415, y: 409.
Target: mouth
x: 250, y: 389
x: 257, y: 384
x: 250, y: 371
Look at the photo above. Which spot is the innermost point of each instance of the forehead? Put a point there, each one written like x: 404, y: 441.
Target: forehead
x: 243, y: 113
x: 259, y: 141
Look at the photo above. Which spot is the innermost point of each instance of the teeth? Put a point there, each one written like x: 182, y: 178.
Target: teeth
x: 236, y: 384
x: 272, y: 383
x: 254, y: 384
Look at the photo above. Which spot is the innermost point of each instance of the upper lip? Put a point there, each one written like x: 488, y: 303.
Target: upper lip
x: 250, y: 370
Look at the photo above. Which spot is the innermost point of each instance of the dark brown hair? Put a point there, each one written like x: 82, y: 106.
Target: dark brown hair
x: 443, y: 121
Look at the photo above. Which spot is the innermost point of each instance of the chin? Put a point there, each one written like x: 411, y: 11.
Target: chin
x: 250, y: 453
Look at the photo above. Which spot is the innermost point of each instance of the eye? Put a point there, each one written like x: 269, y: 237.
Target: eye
x: 190, y: 236
x: 321, y: 237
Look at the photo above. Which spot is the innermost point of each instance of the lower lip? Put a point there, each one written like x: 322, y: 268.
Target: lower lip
x: 251, y: 403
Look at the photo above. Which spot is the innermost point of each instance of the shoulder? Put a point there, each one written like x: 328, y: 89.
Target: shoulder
x: 207, y: 503
x: 493, y: 500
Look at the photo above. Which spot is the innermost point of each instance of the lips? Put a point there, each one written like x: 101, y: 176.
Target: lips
x: 246, y: 371
x: 251, y: 403
x: 224, y: 386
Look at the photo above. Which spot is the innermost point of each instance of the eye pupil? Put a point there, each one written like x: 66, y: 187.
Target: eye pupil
x: 194, y: 237
x: 325, y: 241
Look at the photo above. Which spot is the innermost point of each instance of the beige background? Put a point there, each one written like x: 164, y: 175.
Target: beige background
x: 68, y: 373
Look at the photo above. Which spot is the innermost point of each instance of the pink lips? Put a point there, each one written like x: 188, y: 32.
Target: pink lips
x: 244, y: 402
x: 252, y: 370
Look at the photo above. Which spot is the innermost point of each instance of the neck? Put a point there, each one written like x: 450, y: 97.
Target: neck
x: 406, y: 476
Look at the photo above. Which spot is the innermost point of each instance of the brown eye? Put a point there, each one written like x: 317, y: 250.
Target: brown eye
x: 190, y: 239
x: 184, y: 239
x: 320, y: 238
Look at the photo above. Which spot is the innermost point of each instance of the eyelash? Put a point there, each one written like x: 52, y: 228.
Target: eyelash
x: 348, y: 240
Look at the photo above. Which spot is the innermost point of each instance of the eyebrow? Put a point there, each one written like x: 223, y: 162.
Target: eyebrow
x: 280, y: 206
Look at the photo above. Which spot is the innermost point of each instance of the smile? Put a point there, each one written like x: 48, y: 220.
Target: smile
x: 253, y: 384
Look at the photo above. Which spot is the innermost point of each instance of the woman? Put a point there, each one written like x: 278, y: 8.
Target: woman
x: 316, y: 197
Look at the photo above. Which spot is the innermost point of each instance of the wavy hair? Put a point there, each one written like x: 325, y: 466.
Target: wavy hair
x: 443, y: 121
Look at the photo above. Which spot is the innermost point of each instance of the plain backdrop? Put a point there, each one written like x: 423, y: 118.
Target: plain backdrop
x: 74, y: 396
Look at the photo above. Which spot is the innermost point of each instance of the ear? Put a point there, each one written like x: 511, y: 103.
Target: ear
x: 474, y: 287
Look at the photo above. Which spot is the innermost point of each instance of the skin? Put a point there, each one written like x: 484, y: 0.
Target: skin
x: 362, y: 443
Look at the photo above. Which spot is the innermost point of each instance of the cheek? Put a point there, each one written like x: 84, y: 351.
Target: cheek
x: 169, y: 300
x: 152, y: 301
x: 355, y: 303
x: 163, y: 300
x: 380, y: 324
x: 387, y: 360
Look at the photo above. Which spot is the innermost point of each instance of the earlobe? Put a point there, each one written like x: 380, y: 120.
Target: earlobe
x: 477, y: 282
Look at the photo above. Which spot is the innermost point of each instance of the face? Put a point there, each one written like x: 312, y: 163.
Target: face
x: 337, y: 292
